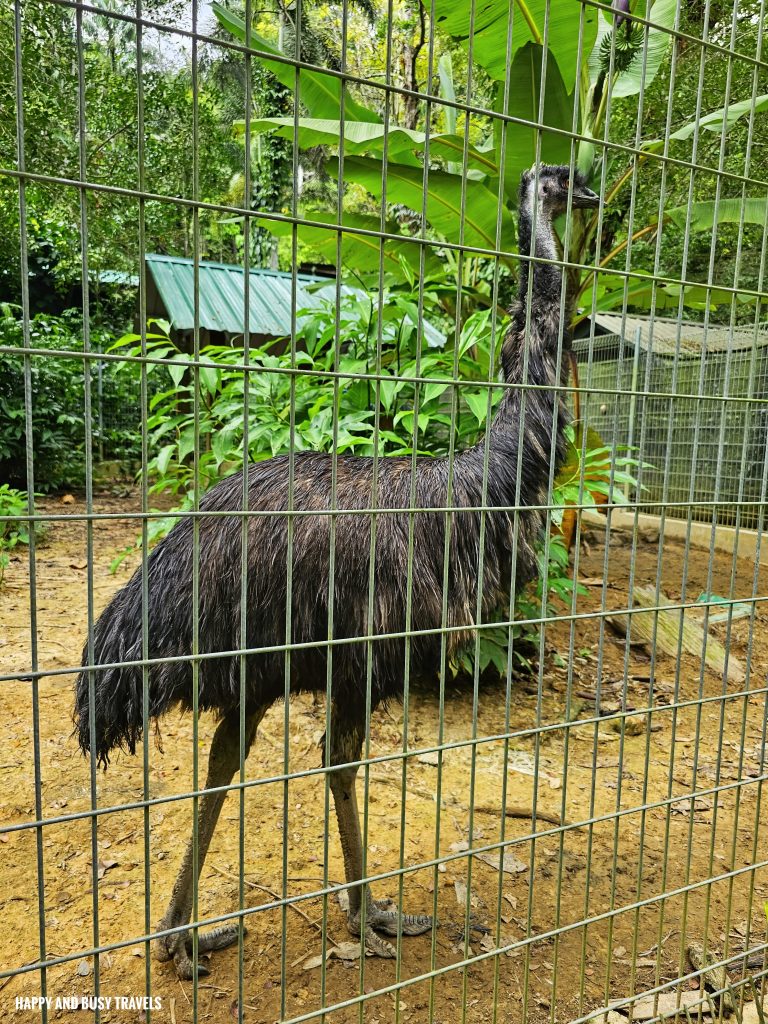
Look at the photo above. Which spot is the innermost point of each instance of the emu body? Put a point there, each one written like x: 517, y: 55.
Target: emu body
x: 518, y: 474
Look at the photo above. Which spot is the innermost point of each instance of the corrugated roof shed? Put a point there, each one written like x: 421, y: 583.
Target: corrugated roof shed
x: 222, y: 296
x: 660, y: 334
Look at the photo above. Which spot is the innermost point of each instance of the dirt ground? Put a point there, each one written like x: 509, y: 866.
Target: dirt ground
x: 621, y: 862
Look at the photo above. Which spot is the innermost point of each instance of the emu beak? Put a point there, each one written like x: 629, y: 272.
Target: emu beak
x: 584, y: 198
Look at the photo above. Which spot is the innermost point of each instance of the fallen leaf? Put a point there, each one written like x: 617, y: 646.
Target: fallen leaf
x: 344, y: 951
x: 105, y: 866
x: 511, y: 864
x: 459, y: 847
x: 83, y: 968
x: 683, y: 806
x: 431, y: 759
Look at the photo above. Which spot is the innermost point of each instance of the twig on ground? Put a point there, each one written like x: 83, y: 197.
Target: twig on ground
x: 274, y: 895
x: 510, y: 811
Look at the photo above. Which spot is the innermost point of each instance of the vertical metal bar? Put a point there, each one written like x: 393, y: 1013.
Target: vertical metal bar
x: 724, y: 407
x: 678, y: 342
x: 691, y: 498
x: 518, y: 476
x: 333, y: 517
x: 486, y: 454
x: 651, y: 696
x: 88, y: 452
x: 758, y: 545
x: 370, y: 617
x: 450, y: 501
x: 585, y: 419
x: 144, y: 484
x: 577, y: 113
x: 196, y: 506
x: 290, y: 530
x: 245, y: 521
x: 30, y: 480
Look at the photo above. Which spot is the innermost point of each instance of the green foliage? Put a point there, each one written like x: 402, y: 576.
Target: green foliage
x: 533, y: 20
x: 318, y: 399
x: 57, y: 391
x: 318, y: 91
x: 474, y: 208
x: 49, y: 52
x: 521, y: 145
x: 13, y: 531
x: 591, y: 471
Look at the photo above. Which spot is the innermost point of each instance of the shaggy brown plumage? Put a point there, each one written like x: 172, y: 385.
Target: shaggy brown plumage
x: 515, y: 478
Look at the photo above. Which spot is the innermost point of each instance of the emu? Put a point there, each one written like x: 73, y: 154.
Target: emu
x: 116, y: 714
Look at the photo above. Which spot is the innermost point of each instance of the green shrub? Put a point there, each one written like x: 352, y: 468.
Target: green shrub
x: 58, y: 402
x: 318, y: 400
x: 12, y: 531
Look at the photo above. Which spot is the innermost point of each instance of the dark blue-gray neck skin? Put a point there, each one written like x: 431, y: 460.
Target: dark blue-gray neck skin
x: 530, y: 351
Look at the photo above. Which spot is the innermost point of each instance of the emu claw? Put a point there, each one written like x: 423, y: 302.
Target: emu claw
x: 390, y: 922
x: 377, y: 946
x: 178, y: 947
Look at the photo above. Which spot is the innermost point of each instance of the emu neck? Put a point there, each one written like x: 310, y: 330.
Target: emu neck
x: 529, y: 353
x: 546, y: 277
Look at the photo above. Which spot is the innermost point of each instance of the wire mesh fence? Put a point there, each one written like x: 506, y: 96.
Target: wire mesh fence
x: 619, y: 363
x: 543, y: 733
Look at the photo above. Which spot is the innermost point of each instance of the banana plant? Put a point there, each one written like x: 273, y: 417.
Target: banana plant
x: 557, y: 66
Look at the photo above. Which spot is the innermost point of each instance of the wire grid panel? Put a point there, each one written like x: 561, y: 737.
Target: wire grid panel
x: 586, y: 831
x: 615, y: 366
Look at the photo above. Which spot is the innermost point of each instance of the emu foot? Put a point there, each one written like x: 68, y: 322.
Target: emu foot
x: 178, y: 947
x: 380, y: 918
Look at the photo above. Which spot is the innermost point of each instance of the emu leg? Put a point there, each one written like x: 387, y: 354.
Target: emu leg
x: 346, y: 745
x: 223, y: 762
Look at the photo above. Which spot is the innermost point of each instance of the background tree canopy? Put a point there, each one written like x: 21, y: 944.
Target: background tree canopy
x: 143, y: 130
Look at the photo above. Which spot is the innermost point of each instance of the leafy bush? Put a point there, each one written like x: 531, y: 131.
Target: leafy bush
x: 12, y: 533
x: 317, y: 398
x: 58, y: 402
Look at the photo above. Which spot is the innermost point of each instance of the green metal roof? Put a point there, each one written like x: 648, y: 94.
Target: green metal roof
x: 222, y: 296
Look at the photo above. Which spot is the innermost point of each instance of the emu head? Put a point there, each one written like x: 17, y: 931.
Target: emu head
x: 550, y: 188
